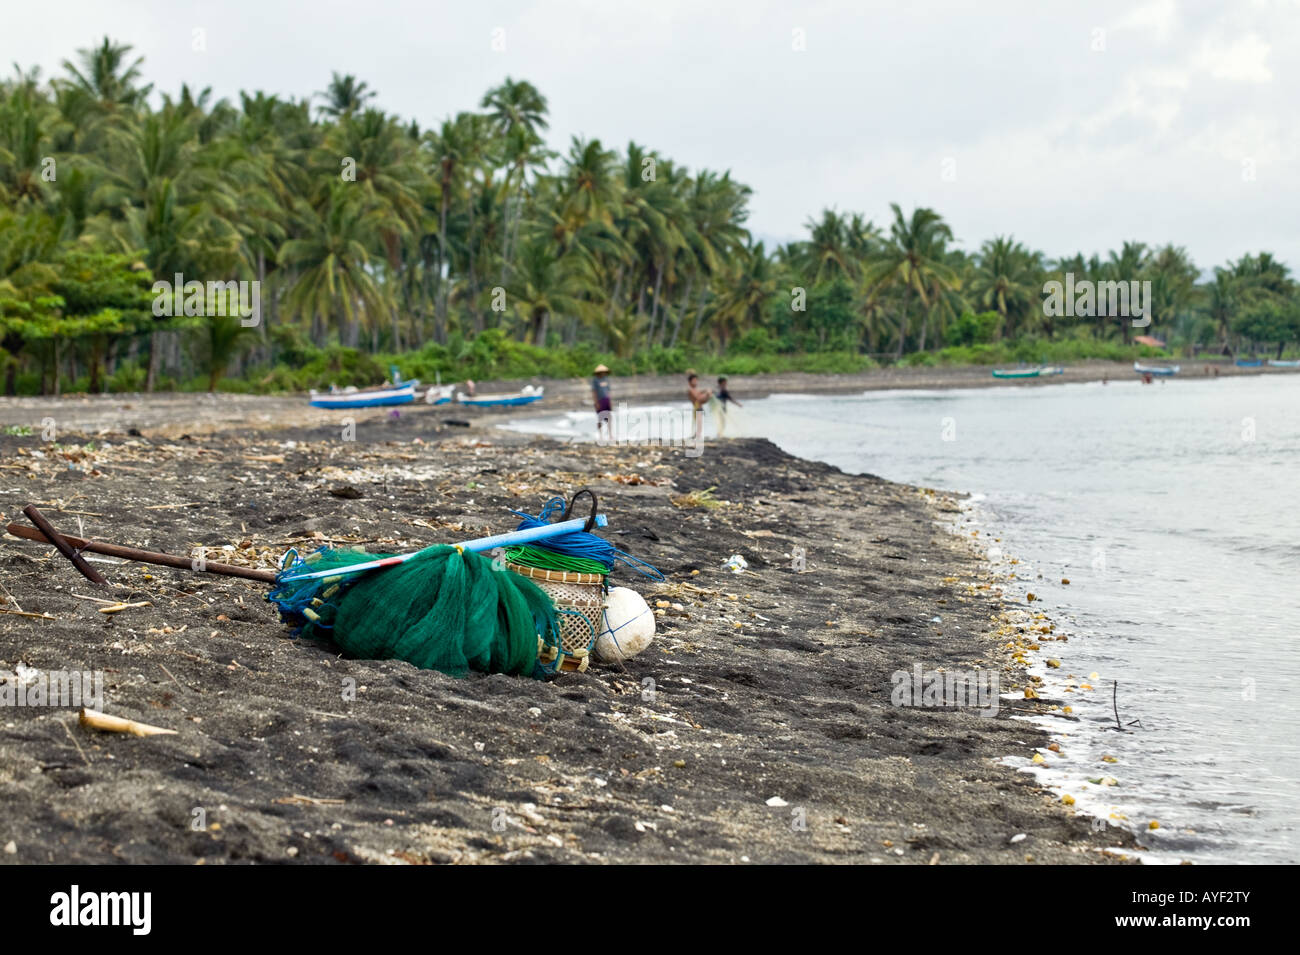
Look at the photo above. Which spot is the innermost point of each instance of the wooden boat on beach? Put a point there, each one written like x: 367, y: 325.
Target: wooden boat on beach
x: 376, y: 397
x: 1039, y: 372
x: 1249, y: 362
x: 1161, y: 371
x: 527, y: 396
x: 439, y: 394
x: 1276, y: 363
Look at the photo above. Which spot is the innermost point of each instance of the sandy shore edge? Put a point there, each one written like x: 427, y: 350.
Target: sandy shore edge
x: 770, y: 735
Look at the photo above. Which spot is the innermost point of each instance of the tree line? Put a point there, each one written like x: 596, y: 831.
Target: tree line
x: 368, y: 234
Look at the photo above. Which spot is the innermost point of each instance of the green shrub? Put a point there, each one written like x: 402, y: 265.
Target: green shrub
x: 972, y: 329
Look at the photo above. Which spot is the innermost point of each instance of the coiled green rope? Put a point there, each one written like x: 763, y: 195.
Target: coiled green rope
x: 544, y: 559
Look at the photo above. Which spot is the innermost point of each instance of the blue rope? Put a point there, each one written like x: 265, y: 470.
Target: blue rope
x: 582, y: 543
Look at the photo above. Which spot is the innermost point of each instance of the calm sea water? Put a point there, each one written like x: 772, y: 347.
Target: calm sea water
x: 1174, y: 511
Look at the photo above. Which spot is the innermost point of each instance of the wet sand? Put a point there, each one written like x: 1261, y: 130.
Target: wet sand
x: 757, y: 727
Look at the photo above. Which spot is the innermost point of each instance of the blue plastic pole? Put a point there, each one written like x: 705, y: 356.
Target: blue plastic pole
x: 477, y: 545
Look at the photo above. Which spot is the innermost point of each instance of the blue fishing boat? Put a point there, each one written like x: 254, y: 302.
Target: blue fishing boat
x: 527, y: 396
x: 402, y: 394
x: 1039, y: 372
x: 1249, y: 362
x: 439, y: 394
x: 1162, y: 371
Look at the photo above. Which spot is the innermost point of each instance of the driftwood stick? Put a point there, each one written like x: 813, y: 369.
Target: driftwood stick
x: 146, y: 556
x: 55, y: 538
x: 116, y: 724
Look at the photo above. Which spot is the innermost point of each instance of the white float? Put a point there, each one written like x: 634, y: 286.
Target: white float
x: 627, y: 626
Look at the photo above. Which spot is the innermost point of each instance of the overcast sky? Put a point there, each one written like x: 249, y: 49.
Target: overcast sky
x: 1073, y: 126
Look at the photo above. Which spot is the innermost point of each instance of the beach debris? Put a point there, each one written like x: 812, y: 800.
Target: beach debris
x: 345, y: 491
x: 1018, y: 837
x: 299, y: 800
x: 635, y: 479
x: 776, y: 802
x: 117, y: 724
x: 27, y: 613
x: 1067, y: 799
x: 736, y: 564
x: 1153, y: 824
x: 529, y: 811
x: 119, y: 607
x: 702, y: 498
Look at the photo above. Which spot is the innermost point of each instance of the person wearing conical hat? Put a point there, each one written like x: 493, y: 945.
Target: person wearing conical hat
x: 601, y: 399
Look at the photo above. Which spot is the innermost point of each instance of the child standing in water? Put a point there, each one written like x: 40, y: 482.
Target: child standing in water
x: 699, y: 397
x: 723, y: 396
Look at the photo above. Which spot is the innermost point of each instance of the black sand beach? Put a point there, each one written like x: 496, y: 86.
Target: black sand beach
x: 768, y: 735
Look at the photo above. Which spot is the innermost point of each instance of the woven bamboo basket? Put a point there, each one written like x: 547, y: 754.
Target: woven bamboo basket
x: 579, y: 603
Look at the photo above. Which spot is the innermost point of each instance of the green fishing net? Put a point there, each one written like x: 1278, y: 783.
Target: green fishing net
x: 441, y: 610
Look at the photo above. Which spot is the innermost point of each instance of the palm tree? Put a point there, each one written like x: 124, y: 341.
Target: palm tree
x: 588, y: 186
x: 344, y: 95
x: 836, y: 247
x: 516, y: 105
x: 1127, y: 265
x: 104, y: 76
x: 752, y: 289
x: 332, y: 262
x: 1173, y: 283
x: 523, y: 152
x: 1007, y: 279
x: 545, y: 284
x: 717, y: 207
x: 166, y: 194
x: 1222, y: 300
x: 450, y: 148
x: 26, y: 119
x: 913, y: 258
x: 518, y: 112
